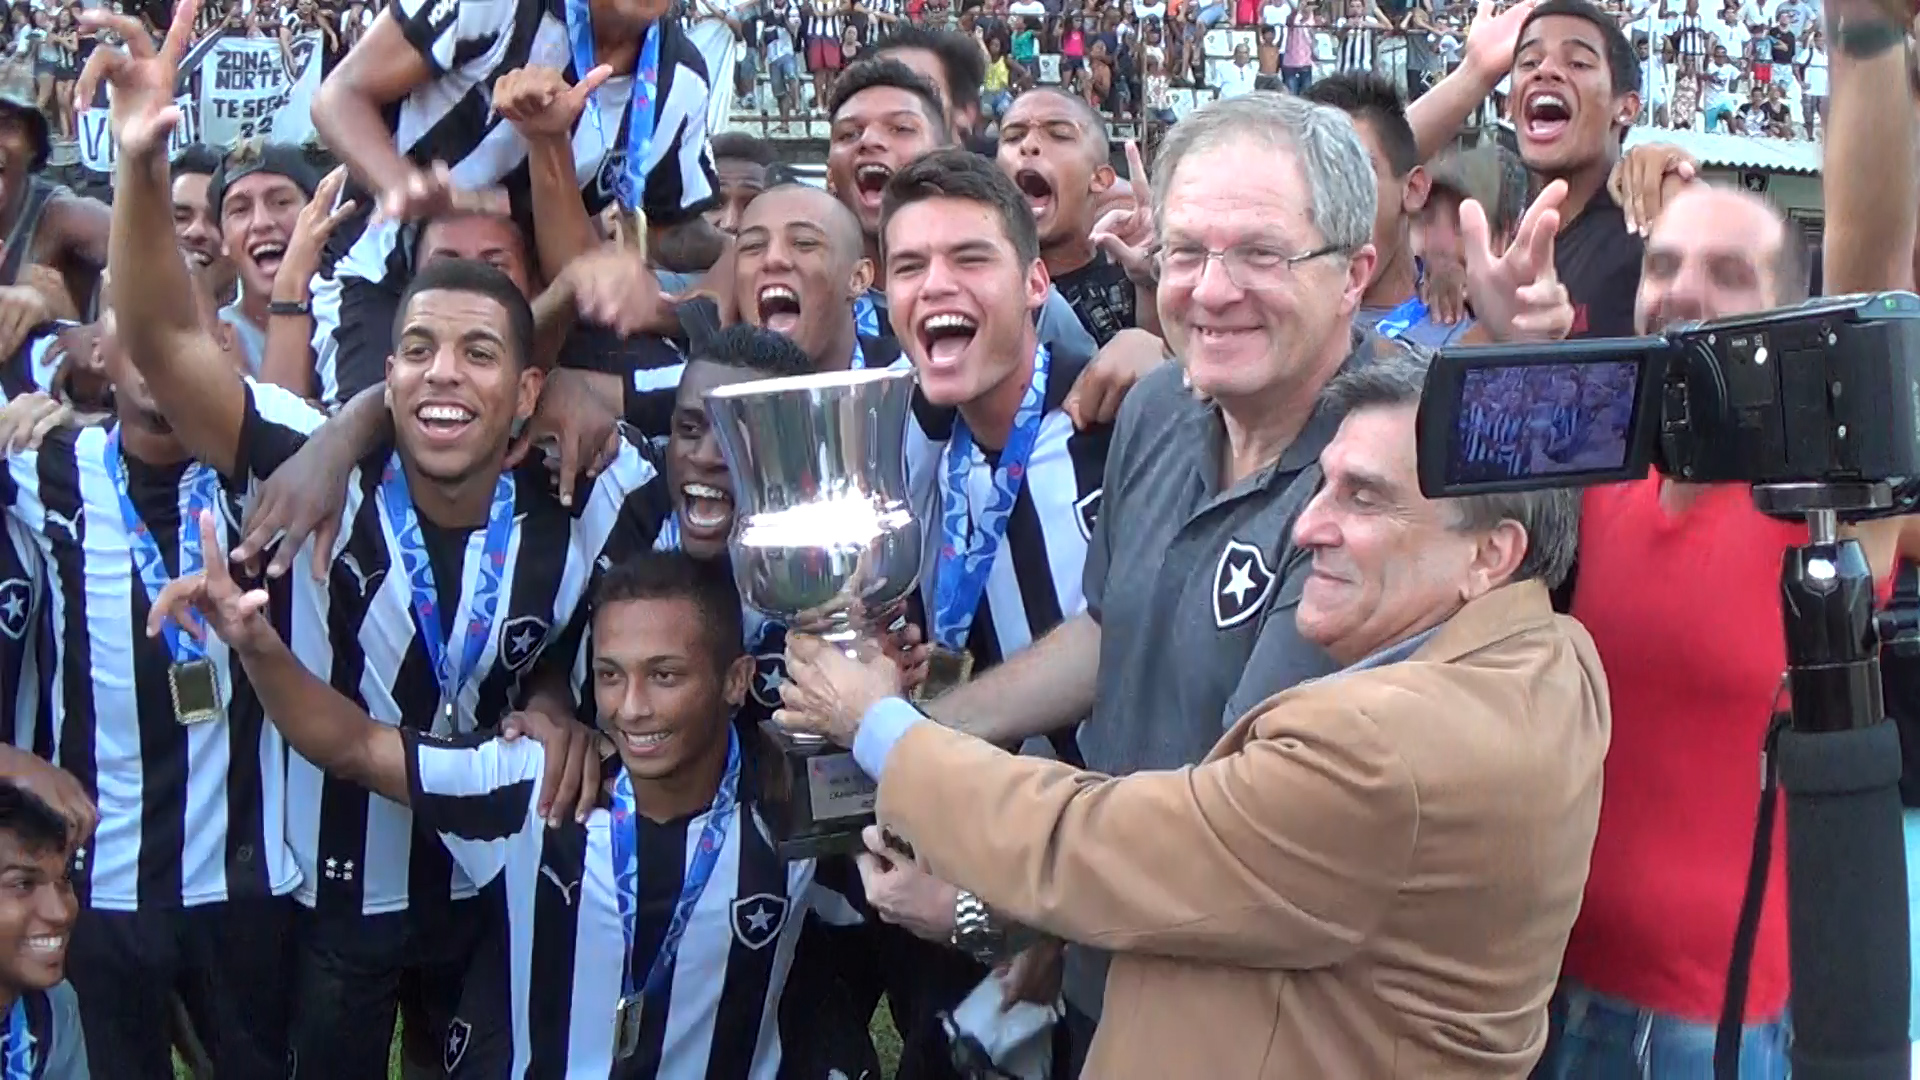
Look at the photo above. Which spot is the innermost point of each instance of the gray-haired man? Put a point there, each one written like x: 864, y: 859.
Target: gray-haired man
x: 1191, y: 580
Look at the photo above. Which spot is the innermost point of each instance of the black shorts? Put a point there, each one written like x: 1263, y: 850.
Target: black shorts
x: 354, y: 971
x: 228, y: 964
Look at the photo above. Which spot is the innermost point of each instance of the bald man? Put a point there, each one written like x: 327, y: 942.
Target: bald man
x: 1053, y: 146
x: 799, y: 265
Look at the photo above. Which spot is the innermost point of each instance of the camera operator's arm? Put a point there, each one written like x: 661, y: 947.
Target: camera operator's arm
x: 1869, y: 163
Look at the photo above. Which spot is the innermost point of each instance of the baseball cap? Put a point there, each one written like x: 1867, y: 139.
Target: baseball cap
x: 255, y: 156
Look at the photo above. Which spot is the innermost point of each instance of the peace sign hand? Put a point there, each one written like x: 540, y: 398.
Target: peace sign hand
x: 1518, y: 296
x: 140, y: 81
x: 538, y: 102
x: 211, y: 600
x: 1126, y: 233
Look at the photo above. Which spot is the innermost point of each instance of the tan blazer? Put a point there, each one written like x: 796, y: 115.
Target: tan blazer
x: 1371, y: 876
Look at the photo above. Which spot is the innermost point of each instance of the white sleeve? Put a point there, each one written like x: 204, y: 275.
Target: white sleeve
x: 477, y: 793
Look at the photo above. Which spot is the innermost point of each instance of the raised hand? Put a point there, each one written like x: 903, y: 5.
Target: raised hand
x: 1517, y: 296
x: 1494, y: 36
x: 431, y: 192
x: 316, y: 223
x: 1126, y: 233
x: 1643, y: 179
x: 211, y: 600
x: 140, y: 80
x: 538, y: 102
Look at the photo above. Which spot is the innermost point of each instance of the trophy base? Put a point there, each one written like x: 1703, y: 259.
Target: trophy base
x: 828, y: 802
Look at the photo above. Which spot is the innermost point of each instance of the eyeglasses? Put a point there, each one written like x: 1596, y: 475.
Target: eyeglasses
x: 1249, y: 266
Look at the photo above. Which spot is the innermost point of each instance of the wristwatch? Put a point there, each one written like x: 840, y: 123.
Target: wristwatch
x: 974, y: 930
x: 289, y: 307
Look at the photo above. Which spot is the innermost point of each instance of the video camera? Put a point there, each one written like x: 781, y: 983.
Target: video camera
x: 1825, y: 392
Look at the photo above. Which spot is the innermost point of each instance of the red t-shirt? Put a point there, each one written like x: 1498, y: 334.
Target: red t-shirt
x: 1685, y: 612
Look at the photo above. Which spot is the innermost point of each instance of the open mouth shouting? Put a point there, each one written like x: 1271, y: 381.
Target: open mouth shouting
x: 945, y: 335
x: 706, y: 511
x: 779, y: 307
x: 444, y: 421
x: 869, y: 181
x: 267, y: 255
x: 1038, y: 190
x: 1545, y: 115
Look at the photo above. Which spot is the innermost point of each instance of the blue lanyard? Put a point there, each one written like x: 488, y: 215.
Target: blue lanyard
x: 19, y: 1043
x: 632, y: 187
x: 866, y: 314
x: 426, y: 600
x: 967, y: 553
x: 1398, y: 321
x: 859, y: 354
x: 198, y: 490
x: 626, y: 870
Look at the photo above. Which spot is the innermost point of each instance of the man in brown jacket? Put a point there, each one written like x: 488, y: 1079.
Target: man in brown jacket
x: 1373, y: 874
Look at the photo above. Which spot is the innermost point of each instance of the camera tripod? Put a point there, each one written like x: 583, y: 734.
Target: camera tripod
x: 1838, y: 761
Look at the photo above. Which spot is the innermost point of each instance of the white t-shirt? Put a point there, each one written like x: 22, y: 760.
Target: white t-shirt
x: 1814, y: 82
x: 1718, y: 84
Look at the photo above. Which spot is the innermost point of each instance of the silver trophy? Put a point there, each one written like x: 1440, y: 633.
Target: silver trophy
x: 824, y: 539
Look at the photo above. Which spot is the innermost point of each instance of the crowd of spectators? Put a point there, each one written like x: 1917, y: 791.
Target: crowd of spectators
x: 45, y: 46
x: 1754, y: 67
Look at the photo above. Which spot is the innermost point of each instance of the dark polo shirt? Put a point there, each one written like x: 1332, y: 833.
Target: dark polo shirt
x: 1194, y: 588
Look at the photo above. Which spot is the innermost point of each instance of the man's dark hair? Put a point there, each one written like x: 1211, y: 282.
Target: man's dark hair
x: 197, y: 159
x: 962, y: 174
x: 750, y: 348
x: 674, y: 575
x: 37, y: 827
x: 962, y: 61
x: 740, y: 146
x: 880, y: 71
x: 414, y: 237
x: 472, y: 276
x: 1364, y: 96
x: 1623, y: 64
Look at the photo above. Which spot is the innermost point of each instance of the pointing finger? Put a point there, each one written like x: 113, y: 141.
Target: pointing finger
x: 212, y: 558
x: 1475, y: 238
x: 1540, y: 244
x: 1137, y: 176
x: 179, y: 32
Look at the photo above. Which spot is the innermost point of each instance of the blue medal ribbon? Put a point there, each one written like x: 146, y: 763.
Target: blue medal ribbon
x: 198, y: 491
x: 967, y: 553
x: 626, y: 871
x: 866, y: 314
x: 859, y: 356
x: 19, y: 1043
x: 426, y: 600
x: 632, y: 187
x: 1398, y: 321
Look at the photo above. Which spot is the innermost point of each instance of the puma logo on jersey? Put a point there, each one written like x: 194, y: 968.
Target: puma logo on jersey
x: 442, y: 11
x: 71, y: 524
x: 362, y: 580
x: 566, y: 891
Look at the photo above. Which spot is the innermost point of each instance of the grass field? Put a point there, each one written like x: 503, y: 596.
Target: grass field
x: 884, y: 1038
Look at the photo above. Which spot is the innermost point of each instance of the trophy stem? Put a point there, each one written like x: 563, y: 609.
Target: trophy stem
x: 845, y: 637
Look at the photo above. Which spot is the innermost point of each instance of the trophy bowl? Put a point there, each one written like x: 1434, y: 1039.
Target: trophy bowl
x: 824, y: 540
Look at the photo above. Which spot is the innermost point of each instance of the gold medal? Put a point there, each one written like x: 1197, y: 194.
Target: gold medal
x: 946, y: 669
x: 196, y: 691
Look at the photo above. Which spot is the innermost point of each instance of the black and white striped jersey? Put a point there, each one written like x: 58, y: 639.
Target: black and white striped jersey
x: 469, y: 44
x: 358, y: 631
x: 559, y: 982
x: 1034, y: 583
x: 190, y: 813
x: 25, y: 637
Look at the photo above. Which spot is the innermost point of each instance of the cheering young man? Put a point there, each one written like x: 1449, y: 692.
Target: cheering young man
x: 42, y: 1033
x: 410, y: 110
x: 653, y: 938
x: 447, y: 583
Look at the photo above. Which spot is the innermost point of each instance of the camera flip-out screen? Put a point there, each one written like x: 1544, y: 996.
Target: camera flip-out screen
x: 1499, y: 419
